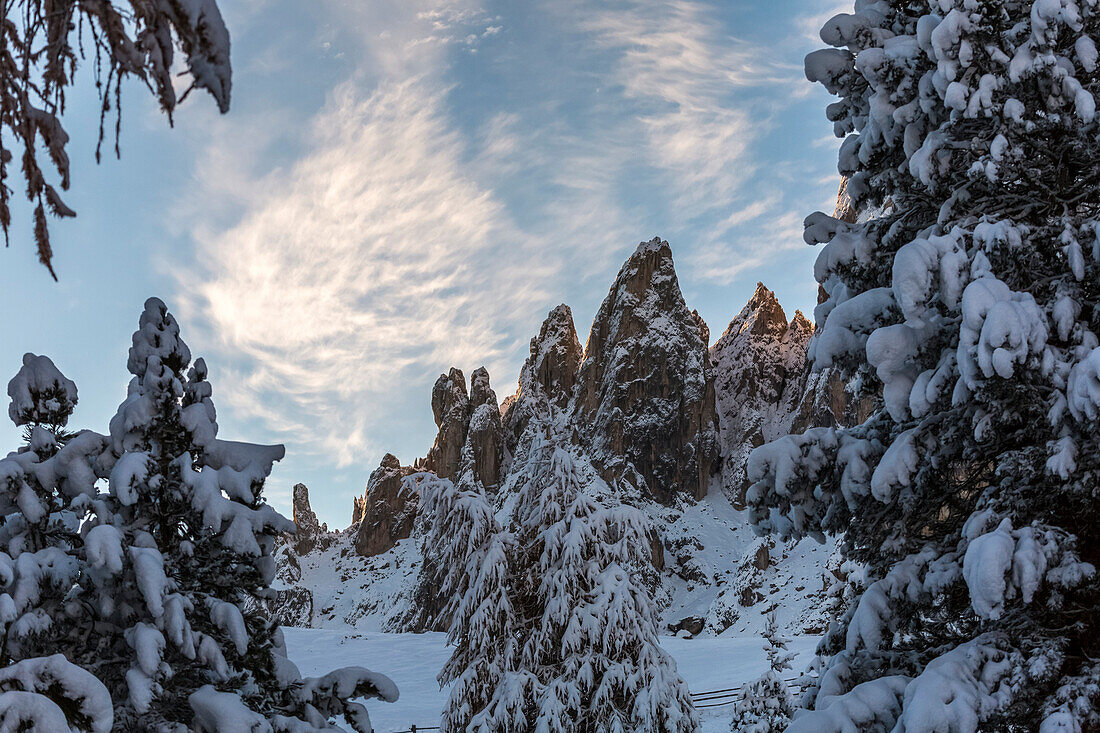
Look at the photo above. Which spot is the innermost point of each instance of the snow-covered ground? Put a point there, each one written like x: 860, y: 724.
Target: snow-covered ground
x: 412, y: 661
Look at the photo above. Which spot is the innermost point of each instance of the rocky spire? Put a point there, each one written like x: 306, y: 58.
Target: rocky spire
x: 484, y: 433
x: 469, y: 425
x: 548, y: 375
x: 451, y: 408
x: 645, y: 396
x: 758, y: 365
x: 309, y: 529
x: 388, y: 509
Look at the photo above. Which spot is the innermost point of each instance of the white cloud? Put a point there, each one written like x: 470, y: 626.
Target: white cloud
x: 674, y: 58
x: 344, y: 262
x: 359, y: 265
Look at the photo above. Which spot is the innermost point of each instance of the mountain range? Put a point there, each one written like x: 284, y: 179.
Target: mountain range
x: 665, y: 418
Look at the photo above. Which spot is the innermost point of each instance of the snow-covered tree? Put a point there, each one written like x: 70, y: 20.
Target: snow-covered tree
x: 44, y: 487
x: 552, y: 627
x: 144, y: 587
x: 590, y: 625
x: 765, y: 705
x: 472, y: 572
x: 43, y: 43
x: 966, y: 297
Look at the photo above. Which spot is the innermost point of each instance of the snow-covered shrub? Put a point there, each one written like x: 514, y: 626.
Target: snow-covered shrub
x: 765, y: 705
x: 145, y: 586
x: 965, y: 298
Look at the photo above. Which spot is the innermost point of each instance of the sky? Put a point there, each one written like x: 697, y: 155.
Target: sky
x: 402, y: 186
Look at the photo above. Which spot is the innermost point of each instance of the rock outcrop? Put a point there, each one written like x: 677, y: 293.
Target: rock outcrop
x: 645, y: 395
x: 759, y: 364
x: 484, y: 431
x: 388, y: 508
x: 765, y: 388
x: 470, y: 428
x: 548, y: 375
x: 451, y: 409
x: 310, y: 531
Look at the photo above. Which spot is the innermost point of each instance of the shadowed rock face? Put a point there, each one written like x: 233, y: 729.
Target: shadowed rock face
x: 484, y: 432
x: 645, y: 395
x: 758, y: 364
x: 451, y: 409
x: 310, y: 531
x: 765, y: 388
x: 548, y: 375
x: 389, y: 510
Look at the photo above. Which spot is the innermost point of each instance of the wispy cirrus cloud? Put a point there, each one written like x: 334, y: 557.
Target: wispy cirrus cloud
x: 359, y: 266
x: 436, y: 200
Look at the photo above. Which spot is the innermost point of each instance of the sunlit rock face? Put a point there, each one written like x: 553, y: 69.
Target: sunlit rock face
x: 388, y: 509
x: 310, y: 531
x: 645, y: 392
x: 548, y: 375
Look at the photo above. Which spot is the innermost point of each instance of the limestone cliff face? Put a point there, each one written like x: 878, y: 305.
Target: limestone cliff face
x: 548, y: 375
x: 388, y: 509
x: 645, y: 393
x: 310, y: 531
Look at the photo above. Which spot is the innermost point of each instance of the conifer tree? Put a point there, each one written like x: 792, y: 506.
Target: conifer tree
x: 473, y: 559
x: 553, y: 629
x: 144, y: 587
x: 966, y: 298
x: 44, y: 487
x: 590, y: 625
x: 765, y: 705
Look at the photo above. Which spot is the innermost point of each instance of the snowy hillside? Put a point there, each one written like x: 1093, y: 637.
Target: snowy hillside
x: 718, y: 578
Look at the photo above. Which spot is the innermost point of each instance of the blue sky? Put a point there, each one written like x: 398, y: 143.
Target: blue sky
x: 406, y: 185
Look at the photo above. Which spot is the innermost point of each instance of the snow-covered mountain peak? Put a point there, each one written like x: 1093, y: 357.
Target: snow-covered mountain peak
x: 548, y: 375
x: 761, y: 316
x: 645, y: 395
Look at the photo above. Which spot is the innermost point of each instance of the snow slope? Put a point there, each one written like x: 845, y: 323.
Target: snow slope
x: 711, y: 575
x: 412, y: 661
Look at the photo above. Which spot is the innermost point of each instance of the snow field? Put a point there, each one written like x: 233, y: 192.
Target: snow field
x: 413, y: 660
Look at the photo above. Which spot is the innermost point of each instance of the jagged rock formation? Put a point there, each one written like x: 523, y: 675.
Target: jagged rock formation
x: 548, y: 375
x: 451, y: 409
x: 310, y: 531
x: 470, y: 428
x: 656, y: 412
x: 358, y: 505
x: 388, y: 509
x: 484, y: 431
x: 645, y: 394
x: 759, y: 363
x: 765, y: 388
